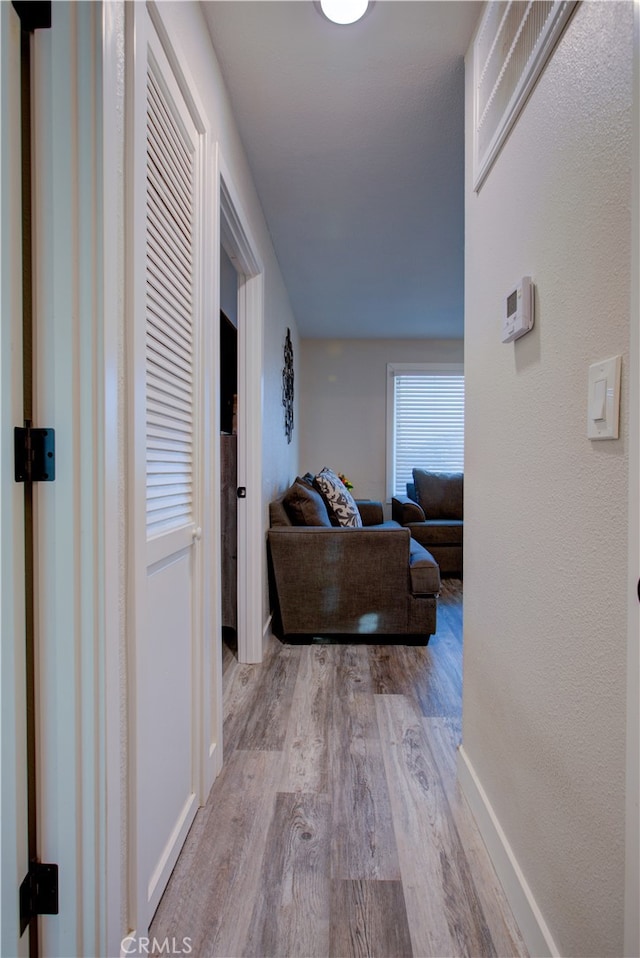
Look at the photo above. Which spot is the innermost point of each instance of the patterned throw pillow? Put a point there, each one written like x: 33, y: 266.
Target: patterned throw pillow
x: 338, y: 499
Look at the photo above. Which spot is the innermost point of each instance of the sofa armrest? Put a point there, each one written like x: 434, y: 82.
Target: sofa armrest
x: 371, y: 512
x: 341, y: 580
x: 405, y: 510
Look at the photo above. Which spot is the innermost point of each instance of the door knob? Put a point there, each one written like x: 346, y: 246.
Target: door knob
x: 197, y: 532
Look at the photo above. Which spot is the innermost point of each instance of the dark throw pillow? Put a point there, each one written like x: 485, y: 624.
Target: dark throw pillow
x: 439, y: 493
x: 305, y: 506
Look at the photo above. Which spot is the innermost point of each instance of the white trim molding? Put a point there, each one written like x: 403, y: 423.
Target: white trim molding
x: 238, y: 243
x: 75, y: 344
x: 267, y: 633
x: 526, y: 912
x: 112, y: 419
x: 14, y: 859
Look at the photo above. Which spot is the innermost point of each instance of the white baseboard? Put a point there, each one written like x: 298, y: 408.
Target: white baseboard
x: 266, y: 634
x: 526, y: 912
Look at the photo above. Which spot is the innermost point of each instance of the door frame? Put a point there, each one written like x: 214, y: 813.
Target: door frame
x: 13, y: 797
x: 72, y: 357
x: 236, y: 240
x: 113, y: 890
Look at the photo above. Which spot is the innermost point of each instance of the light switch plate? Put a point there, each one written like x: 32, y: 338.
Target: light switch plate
x: 603, y: 418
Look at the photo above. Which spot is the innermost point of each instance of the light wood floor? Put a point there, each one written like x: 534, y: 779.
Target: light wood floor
x: 336, y: 827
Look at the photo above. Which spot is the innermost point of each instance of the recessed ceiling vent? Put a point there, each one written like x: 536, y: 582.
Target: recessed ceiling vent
x: 514, y: 41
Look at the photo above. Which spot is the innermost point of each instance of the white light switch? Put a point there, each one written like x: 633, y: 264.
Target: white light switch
x: 599, y: 400
x: 603, y: 405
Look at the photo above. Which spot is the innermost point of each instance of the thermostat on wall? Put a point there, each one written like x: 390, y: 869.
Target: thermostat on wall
x: 518, y: 314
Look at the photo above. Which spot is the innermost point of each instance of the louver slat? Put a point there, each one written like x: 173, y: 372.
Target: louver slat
x: 162, y: 257
x: 157, y: 302
x: 162, y: 116
x: 169, y: 318
x: 158, y: 346
x: 514, y: 41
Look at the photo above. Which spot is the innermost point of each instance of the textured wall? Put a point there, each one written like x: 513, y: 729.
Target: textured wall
x: 344, y: 403
x: 546, y: 510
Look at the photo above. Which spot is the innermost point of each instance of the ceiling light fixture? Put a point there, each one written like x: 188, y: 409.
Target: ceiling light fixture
x: 344, y: 11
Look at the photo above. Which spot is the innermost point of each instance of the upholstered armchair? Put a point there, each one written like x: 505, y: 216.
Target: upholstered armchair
x: 432, y: 511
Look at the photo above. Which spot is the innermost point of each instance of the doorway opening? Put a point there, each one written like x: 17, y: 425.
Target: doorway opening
x: 238, y: 245
x: 229, y: 451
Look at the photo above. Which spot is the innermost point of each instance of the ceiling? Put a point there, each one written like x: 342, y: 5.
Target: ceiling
x: 355, y: 138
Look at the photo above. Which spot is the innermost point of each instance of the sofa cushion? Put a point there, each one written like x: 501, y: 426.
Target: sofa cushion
x: 338, y: 499
x: 371, y: 511
x: 423, y: 569
x: 440, y: 494
x: 305, y: 506
x: 442, y: 532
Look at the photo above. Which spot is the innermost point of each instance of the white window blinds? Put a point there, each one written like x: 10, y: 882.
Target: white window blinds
x: 427, y: 422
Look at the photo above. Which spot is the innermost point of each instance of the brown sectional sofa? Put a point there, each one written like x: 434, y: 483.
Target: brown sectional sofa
x: 333, y: 580
x: 432, y: 511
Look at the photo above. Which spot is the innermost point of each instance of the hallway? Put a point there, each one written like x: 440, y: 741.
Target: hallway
x: 336, y: 827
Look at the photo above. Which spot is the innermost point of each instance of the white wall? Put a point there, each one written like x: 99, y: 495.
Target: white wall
x: 546, y: 511
x: 343, y: 408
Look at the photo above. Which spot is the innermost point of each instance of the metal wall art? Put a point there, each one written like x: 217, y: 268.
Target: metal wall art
x: 287, y: 387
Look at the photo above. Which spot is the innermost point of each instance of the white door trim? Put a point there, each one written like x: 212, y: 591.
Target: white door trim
x: 113, y: 890
x: 236, y: 240
x: 70, y: 515
x: 632, y: 843
x: 13, y: 797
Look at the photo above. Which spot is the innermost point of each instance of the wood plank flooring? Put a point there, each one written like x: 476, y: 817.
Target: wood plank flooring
x: 336, y: 827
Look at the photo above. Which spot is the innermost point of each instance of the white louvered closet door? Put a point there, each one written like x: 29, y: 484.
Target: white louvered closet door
x: 169, y: 319
x: 167, y: 629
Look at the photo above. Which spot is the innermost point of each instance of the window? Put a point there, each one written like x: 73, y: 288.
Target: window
x: 425, y: 421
